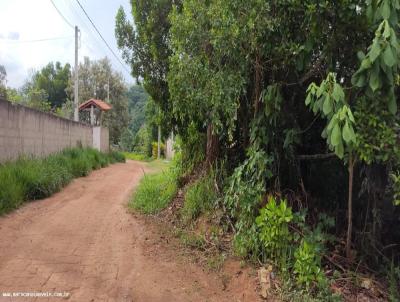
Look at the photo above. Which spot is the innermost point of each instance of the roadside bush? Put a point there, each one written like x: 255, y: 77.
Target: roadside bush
x: 154, y: 192
x: 274, y: 235
x: 307, y: 266
x: 154, y: 149
x: 199, y: 198
x: 286, y: 240
x: 116, y: 157
x: 30, y: 179
x: 136, y: 156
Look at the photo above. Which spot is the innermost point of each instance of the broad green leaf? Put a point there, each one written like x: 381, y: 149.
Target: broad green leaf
x: 332, y: 123
x: 339, y: 150
x: 388, y: 56
x: 366, y: 63
x: 374, y: 81
x: 393, y: 40
x: 386, y: 32
x: 308, y: 99
x: 358, y: 79
x: 385, y: 9
x: 352, y: 134
x: 327, y: 107
x: 346, y: 133
x: 375, y: 51
x: 338, y: 93
x: 350, y: 115
x: 336, y: 135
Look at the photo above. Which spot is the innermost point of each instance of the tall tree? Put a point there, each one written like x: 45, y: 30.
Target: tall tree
x: 53, y: 78
x: 137, y: 98
x: 145, y: 47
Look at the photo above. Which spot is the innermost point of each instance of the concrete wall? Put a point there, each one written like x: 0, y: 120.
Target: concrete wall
x: 30, y: 132
x: 101, y: 139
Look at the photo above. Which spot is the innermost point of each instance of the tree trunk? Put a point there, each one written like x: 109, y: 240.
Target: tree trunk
x: 212, y: 145
x: 350, y: 207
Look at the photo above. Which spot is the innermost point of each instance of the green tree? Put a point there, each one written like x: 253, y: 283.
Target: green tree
x: 98, y: 80
x: 145, y: 47
x: 137, y: 99
x: 53, y: 78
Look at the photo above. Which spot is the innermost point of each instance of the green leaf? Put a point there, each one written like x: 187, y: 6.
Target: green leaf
x: 336, y: 136
x: 338, y: 93
x: 386, y: 32
x: 358, y: 79
x: 388, y: 56
x: 375, y: 50
x: 347, y: 133
x: 308, y: 99
x: 374, y: 81
x: 332, y: 123
x: 360, y: 55
x: 351, y: 116
x: 366, y: 63
x: 327, y: 107
x: 385, y: 9
x: 339, y: 150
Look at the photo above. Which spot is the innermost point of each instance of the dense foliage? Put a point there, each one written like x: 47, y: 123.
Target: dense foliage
x: 296, y: 99
x: 45, y: 89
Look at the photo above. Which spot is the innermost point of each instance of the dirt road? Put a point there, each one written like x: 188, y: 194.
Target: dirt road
x: 82, y: 241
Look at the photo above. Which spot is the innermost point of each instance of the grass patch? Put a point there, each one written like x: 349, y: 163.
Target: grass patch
x: 192, y: 240
x: 154, y: 192
x: 199, y: 198
x: 136, y: 156
x: 29, y: 179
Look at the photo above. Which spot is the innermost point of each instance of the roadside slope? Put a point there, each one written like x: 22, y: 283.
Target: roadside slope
x: 83, y: 241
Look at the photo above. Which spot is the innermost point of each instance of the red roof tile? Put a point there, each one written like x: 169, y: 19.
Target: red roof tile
x: 97, y: 103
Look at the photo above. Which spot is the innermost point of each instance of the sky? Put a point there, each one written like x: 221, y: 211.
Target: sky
x: 23, y: 22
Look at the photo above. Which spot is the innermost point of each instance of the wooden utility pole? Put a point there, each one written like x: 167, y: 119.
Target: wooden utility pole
x: 159, y: 142
x: 108, y: 90
x: 76, y: 81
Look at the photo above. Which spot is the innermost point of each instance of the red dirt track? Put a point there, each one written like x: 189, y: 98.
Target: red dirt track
x: 84, y: 242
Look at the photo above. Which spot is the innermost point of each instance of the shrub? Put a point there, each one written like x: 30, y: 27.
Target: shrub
x: 273, y: 224
x: 307, y: 266
x: 31, y: 179
x: 117, y: 157
x: 136, y: 156
x: 154, y: 192
x: 199, y: 199
x: 154, y: 149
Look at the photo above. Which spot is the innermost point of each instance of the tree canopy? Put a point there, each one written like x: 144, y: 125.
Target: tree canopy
x: 295, y: 98
x: 98, y: 80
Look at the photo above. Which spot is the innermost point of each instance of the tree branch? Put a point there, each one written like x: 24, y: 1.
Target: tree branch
x: 316, y: 156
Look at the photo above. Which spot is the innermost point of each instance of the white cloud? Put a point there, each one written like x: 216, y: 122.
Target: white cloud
x: 24, y: 21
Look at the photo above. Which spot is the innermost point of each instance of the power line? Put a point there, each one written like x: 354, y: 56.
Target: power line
x: 59, y: 12
x: 32, y: 41
x: 101, y: 36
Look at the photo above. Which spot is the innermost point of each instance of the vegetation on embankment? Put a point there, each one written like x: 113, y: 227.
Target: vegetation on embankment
x: 155, y: 190
x: 30, y: 179
x: 297, y: 103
